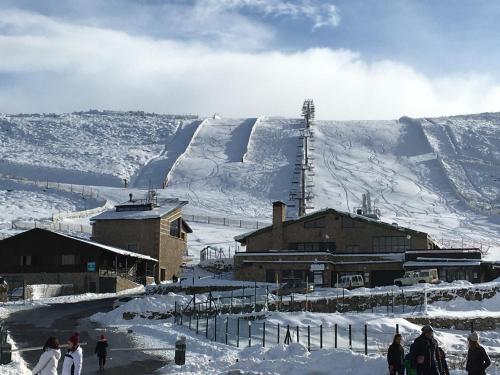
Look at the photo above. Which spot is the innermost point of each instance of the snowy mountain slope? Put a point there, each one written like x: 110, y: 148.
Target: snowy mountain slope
x: 155, y: 173
x: 93, y: 147
x: 237, y: 167
x: 395, y: 162
x: 27, y: 202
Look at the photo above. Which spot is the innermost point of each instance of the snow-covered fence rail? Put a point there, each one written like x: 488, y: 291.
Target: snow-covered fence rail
x: 80, y: 214
x: 227, y: 222
x: 54, y: 226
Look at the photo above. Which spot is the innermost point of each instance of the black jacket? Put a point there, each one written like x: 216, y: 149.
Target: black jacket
x: 477, y: 361
x: 101, y: 348
x: 395, y: 356
x: 442, y: 363
x: 425, y: 348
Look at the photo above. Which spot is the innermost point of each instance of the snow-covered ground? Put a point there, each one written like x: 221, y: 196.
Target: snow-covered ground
x: 91, y: 147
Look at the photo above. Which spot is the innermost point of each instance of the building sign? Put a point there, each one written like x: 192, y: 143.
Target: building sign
x: 91, y: 267
x: 317, y: 267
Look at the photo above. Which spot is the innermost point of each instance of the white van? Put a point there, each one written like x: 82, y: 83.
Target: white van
x: 350, y: 282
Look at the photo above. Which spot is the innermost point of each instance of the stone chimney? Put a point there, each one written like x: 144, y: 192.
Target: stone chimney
x: 279, y: 213
x: 279, y: 216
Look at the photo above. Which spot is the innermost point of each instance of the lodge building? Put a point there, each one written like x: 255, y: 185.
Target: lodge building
x: 322, y: 246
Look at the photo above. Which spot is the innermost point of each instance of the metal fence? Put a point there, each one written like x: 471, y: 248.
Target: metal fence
x: 222, y: 221
x: 54, y: 226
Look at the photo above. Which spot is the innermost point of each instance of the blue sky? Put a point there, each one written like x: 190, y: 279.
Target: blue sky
x: 251, y: 57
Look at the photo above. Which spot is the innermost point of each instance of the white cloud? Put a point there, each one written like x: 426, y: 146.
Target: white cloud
x: 55, y: 66
x: 321, y: 13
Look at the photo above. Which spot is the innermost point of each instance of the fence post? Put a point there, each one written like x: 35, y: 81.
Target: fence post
x: 387, y: 303
x: 190, y: 315
x: 255, y: 297
x: 197, y: 323
x: 175, y: 312
x: 308, y: 338
x: 231, y: 308
x: 403, y: 295
x: 472, y: 326
x: 321, y: 336
x: 227, y: 323
x: 238, y: 334
x: 335, y: 335
x: 278, y: 333
x: 366, y: 339
x: 215, y: 328
x: 297, y: 333
x: 206, y: 329
x: 350, y: 336
x: 249, y: 333
x: 264, y: 334
x: 180, y: 351
x: 397, y: 328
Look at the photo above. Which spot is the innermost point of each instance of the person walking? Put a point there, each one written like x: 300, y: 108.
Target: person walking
x: 477, y: 358
x: 47, y: 364
x: 395, y: 356
x: 424, y: 355
x: 73, y: 359
x: 101, y: 350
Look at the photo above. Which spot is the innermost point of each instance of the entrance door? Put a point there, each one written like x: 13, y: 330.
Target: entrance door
x: 163, y: 274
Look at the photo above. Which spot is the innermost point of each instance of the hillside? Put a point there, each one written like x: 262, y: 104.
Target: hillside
x: 441, y: 175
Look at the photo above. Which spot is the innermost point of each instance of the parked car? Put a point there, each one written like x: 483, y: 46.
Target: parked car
x: 350, y: 282
x: 122, y: 301
x: 429, y: 276
x: 16, y: 294
x: 294, y: 286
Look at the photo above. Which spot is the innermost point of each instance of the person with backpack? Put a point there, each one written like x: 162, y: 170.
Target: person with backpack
x: 477, y: 358
x: 395, y: 356
x: 442, y: 363
x: 101, y: 350
x: 47, y: 364
x: 73, y: 359
x: 409, y: 363
x: 424, y: 356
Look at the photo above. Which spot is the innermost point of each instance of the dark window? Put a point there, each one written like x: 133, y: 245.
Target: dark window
x: 25, y: 260
x: 318, y: 223
x: 390, y: 244
x: 352, y: 248
x: 312, y: 246
x: 68, y: 260
x: 348, y: 222
x: 175, y: 228
x: 270, y: 276
x: 163, y: 273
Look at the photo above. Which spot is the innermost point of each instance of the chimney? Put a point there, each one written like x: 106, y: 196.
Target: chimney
x: 279, y: 213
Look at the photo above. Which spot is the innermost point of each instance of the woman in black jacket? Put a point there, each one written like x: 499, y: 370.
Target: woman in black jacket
x: 395, y: 356
x: 101, y: 350
x: 477, y: 359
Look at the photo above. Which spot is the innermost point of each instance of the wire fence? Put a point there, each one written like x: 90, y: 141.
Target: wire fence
x: 53, y: 226
x: 227, y: 222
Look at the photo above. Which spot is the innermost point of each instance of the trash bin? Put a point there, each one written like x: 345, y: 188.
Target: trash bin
x: 180, y: 351
x: 5, y: 354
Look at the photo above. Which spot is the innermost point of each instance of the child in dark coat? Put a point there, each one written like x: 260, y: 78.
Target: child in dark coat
x: 101, y: 350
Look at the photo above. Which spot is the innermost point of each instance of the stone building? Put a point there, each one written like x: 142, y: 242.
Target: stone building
x: 325, y: 245
x: 151, y: 227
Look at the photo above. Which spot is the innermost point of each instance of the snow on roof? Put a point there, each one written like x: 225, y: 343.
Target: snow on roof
x: 166, y: 206
x: 112, y: 249
x: 441, y: 264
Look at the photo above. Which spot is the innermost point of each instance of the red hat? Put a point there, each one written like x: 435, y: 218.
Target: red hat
x: 75, y: 339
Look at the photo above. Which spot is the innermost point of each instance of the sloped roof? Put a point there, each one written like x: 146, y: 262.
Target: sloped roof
x: 108, y: 248
x: 166, y: 207
x: 241, y: 238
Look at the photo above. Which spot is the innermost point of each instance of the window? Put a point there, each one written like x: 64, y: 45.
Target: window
x: 347, y: 222
x: 175, y: 228
x: 390, y: 244
x: 312, y: 246
x: 352, y: 248
x: 318, y: 223
x: 25, y: 260
x: 163, y: 273
x: 68, y: 260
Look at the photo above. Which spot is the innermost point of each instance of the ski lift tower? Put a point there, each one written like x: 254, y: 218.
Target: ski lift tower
x: 304, y: 168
